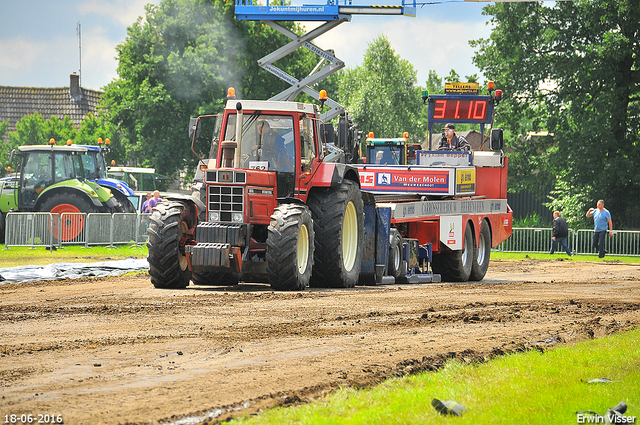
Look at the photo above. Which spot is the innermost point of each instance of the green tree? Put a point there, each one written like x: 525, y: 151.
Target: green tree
x: 59, y: 130
x: 178, y: 62
x: 434, y: 83
x: 572, y: 69
x: 381, y: 95
x: 93, y: 127
x: 30, y: 130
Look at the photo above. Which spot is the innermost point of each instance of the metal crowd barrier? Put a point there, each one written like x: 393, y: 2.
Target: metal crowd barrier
x: 623, y: 242
x: 28, y: 229
x: 47, y: 229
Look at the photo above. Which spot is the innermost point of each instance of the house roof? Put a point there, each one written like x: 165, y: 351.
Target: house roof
x: 74, y: 101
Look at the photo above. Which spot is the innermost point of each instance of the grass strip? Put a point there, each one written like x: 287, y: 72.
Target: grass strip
x: 521, y: 256
x: 521, y: 388
x: 17, y: 256
x: 39, y: 256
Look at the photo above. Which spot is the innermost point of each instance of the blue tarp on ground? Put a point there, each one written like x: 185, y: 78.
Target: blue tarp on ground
x: 60, y: 271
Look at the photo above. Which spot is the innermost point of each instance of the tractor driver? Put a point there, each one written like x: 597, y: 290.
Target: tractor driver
x: 451, y: 141
x: 273, y: 149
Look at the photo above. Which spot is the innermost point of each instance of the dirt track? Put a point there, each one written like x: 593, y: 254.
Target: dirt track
x: 116, y: 350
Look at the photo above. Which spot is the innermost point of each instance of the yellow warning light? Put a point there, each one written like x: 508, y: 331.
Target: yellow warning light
x: 52, y: 141
x: 99, y: 140
x: 405, y: 135
x: 9, y: 168
x: 107, y: 141
x: 113, y: 162
x: 231, y: 93
x: 322, y: 95
x: 491, y: 86
x: 371, y: 135
x: 69, y: 142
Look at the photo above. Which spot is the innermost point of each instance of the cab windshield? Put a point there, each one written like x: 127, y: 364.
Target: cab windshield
x: 267, y: 141
x: 384, y: 154
x: 94, y: 166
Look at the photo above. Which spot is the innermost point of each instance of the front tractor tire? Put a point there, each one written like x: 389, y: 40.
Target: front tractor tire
x: 456, y: 266
x: 290, y: 247
x: 167, y: 265
x: 338, y: 223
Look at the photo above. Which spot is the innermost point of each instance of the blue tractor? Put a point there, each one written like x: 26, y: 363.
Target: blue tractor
x: 95, y: 169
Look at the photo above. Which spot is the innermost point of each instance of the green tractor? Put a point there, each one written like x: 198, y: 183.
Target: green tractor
x: 52, y: 178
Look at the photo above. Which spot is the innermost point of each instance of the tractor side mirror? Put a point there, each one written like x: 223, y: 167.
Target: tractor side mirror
x: 497, y: 142
x: 195, y: 125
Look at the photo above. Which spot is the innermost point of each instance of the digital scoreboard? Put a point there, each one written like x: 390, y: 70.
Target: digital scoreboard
x: 460, y: 108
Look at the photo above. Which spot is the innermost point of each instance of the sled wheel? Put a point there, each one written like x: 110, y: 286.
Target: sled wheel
x: 455, y: 266
x: 483, y: 253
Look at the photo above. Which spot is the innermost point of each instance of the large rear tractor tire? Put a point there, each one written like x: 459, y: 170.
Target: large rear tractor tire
x: 67, y: 227
x: 483, y: 253
x: 395, y: 254
x: 290, y: 247
x: 339, y: 230
x: 455, y: 266
x: 167, y: 265
x: 214, y: 278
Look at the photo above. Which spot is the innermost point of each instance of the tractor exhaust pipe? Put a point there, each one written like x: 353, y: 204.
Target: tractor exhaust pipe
x: 230, y: 148
x: 239, y: 123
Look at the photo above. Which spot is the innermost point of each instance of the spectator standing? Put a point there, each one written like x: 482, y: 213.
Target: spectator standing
x: 145, y: 205
x: 601, y: 221
x: 155, y: 200
x: 560, y: 233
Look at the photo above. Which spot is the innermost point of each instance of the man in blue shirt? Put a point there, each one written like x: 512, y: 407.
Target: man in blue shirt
x: 602, y: 222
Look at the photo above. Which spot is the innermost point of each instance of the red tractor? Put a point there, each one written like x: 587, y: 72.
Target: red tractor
x: 267, y: 209
x: 270, y: 206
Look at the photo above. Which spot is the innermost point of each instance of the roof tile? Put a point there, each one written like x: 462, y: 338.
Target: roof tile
x: 17, y: 102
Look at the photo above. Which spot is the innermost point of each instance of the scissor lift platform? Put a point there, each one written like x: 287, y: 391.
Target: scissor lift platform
x: 315, y: 12
x: 333, y: 14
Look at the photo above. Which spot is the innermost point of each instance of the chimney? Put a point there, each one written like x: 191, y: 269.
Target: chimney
x: 74, y: 85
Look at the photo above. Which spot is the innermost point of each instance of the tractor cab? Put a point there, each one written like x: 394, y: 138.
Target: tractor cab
x: 386, y: 151
x: 42, y: 168
x: 278, y: 137
x: 412, y: 153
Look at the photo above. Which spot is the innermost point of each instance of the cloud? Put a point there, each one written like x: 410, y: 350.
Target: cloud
x: 28, y: 60
x: 426, y: 43
x: 125, y: 12
x: 99, y: 62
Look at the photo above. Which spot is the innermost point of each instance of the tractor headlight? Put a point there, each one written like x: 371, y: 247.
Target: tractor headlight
x: 237, y: 217
x: 214, y: 216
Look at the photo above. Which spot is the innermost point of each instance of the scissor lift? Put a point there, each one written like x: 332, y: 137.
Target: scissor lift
x: 333, y: 13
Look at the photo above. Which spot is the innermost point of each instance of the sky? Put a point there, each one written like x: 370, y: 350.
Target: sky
x: 39, y: 43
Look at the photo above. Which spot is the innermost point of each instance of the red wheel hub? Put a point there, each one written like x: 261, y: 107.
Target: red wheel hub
x: 68, y: 224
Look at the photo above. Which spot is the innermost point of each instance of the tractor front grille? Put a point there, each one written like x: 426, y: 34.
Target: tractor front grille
x: 225, y: 200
